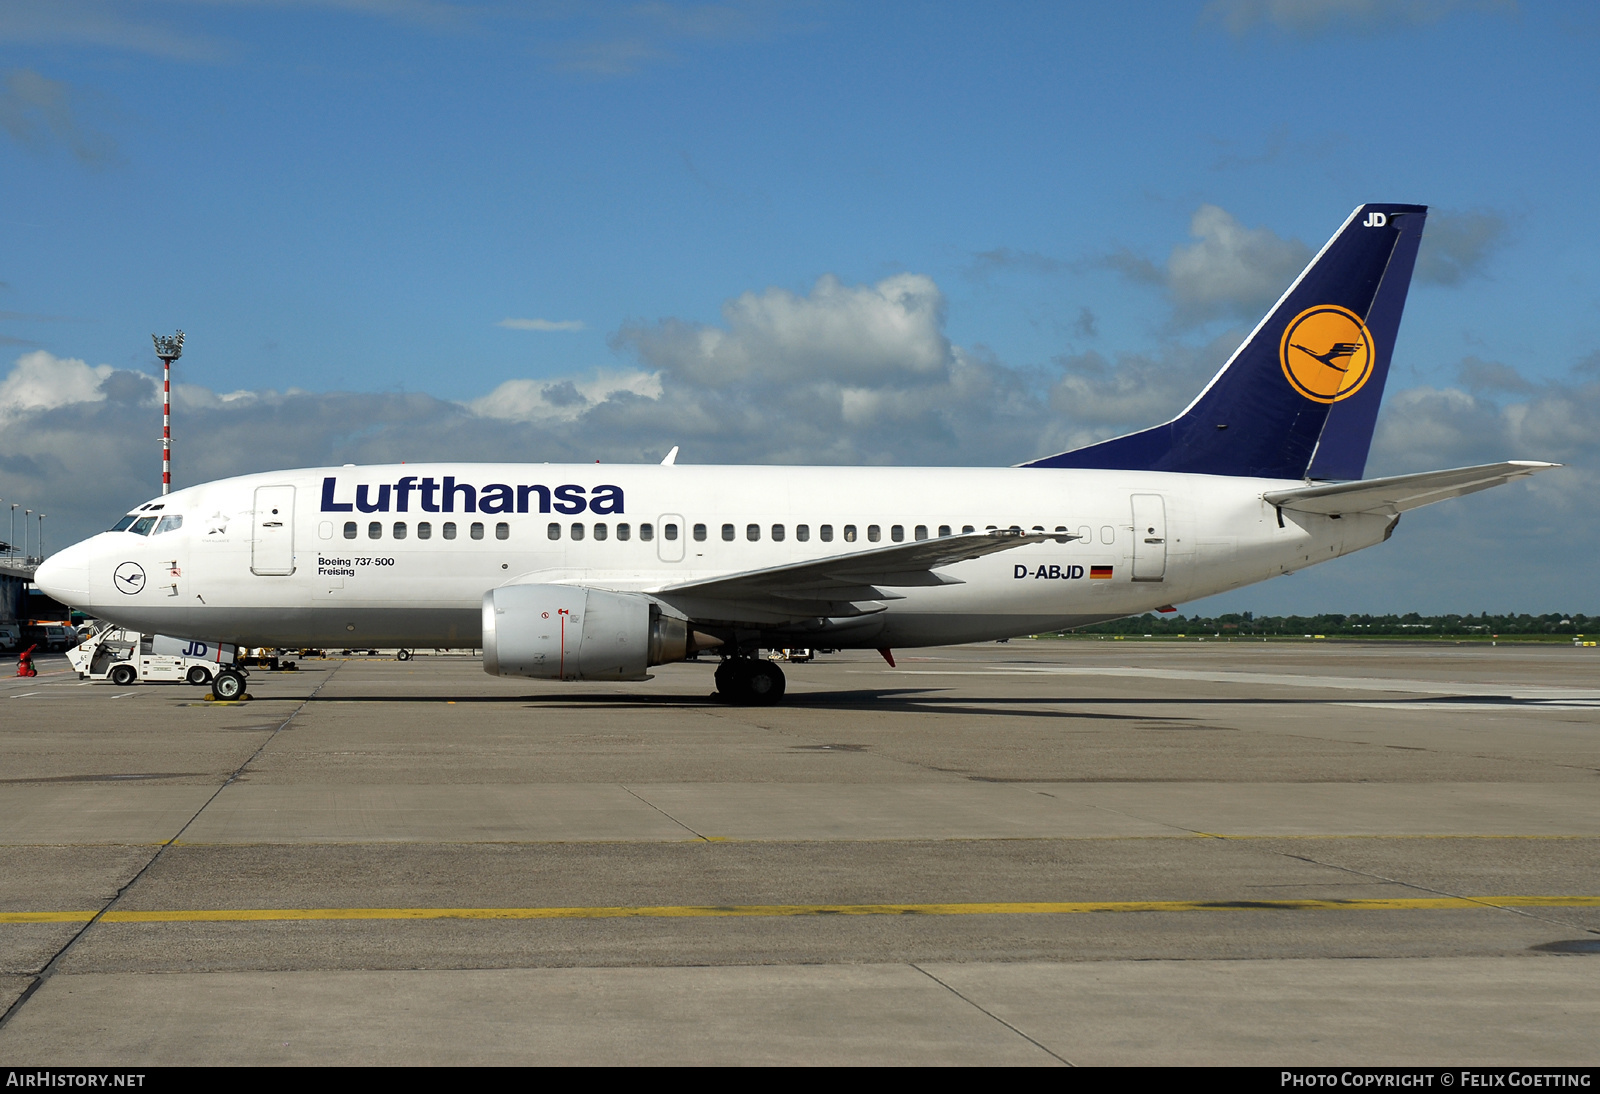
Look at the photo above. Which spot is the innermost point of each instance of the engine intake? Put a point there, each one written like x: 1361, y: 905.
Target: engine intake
x: 569, y: 632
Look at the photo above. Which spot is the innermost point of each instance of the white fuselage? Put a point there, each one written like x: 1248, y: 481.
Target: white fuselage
x: 384, y: 556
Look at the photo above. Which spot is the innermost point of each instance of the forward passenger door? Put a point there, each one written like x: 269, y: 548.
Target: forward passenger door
x: 272, y: 535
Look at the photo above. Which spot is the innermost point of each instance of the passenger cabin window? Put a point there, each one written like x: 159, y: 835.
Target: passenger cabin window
x: 502, y: 530
x: 122, y: 525
x: 967, y: 529
x: 777, y: 533
x: 752, y: 532
x: 350, y: 529
x: 577, y: 531
x: 849, y: 533
x: 826, y: 532
x: 727, y: 533
x: 477, y: 530
x: 922, y: 531
x: 600, y: 531
x: 554, y: 531
x: 449, y: 529
x: 874, y: 533
x: 669, y: 531
x: 170, y: 523
x: 944, y: 529
x: 142, y: 526
x: 699, y: 533
x: 898, y: 533
x: 625, y: 532
x: 399, y: 529
x: 802, y: 532
x: 375, y: 530
x: 424, y: 530
x: 647, y: 532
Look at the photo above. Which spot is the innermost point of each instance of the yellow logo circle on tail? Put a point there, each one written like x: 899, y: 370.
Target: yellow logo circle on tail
x: 1327, y: 353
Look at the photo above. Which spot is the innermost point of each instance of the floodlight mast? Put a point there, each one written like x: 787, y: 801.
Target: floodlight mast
x: 169, y: 350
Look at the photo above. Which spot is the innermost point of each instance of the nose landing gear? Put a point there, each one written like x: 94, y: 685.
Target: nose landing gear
x: 228, y: 685
x: 749, y: 682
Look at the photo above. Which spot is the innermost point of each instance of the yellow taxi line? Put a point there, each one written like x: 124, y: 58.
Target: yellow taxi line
x: 735, y: 911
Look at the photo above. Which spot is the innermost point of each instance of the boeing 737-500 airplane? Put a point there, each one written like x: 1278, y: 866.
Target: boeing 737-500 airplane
x: 598, y: 572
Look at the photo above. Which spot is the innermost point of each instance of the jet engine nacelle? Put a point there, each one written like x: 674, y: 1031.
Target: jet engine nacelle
x: 568, y: 632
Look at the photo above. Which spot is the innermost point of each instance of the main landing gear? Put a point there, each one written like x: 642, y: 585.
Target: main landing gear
x: 749, y: 682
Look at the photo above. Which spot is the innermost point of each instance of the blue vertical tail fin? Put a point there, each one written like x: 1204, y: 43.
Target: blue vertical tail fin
x: 1299, y: 399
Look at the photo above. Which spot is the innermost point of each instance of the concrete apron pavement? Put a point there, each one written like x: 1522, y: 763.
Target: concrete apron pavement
x: 1271, y: 866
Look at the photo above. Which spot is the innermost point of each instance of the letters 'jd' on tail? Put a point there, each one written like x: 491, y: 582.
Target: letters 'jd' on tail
x: 1300, y: 397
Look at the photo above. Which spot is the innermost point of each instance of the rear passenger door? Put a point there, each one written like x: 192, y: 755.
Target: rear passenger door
x: 1149, y: 537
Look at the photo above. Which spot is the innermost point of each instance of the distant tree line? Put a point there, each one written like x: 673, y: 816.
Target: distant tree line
x: 1410, y: 625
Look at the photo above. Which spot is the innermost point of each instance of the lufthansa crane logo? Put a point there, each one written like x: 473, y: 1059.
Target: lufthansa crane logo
x: 1327, y: 353
x: 129, y: 577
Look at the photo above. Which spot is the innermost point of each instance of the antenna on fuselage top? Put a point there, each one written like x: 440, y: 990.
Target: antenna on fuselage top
x: 670, y: 458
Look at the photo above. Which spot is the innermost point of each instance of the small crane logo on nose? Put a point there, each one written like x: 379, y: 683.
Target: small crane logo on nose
x: 129, y: 577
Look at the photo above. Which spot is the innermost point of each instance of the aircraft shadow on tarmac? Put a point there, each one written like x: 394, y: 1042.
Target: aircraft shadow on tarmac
x: 934, y: 701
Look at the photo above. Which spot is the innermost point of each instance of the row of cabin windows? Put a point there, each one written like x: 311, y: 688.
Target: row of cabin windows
x: 647, y: 532
x: 352, y: 530
x: 752, y: 532
x: 802, y: 532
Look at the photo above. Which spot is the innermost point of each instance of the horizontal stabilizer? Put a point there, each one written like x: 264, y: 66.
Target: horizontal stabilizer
x: 1399, y: 493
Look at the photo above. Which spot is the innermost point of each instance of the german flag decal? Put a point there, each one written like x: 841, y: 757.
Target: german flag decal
x: 1099, y: 573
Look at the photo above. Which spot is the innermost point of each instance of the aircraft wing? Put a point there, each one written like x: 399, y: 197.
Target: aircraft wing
x: 841, y: 585
x: 1402, y: 492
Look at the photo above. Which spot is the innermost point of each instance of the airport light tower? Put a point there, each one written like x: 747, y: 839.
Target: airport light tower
x: 169, y: 350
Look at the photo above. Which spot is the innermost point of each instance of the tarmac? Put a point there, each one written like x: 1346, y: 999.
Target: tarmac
x: 1038, y: 852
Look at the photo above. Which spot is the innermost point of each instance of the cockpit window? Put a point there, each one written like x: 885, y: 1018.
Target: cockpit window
x: 142, y: 526
x: 169, y: 523
x: 122, y: 525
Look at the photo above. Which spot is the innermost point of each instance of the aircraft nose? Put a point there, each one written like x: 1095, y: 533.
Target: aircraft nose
x: 65, y: 575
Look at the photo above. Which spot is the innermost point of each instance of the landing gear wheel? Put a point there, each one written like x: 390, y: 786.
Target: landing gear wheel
x: 123, y: 675
x: 198, y: 676
x: 228, y: 685
x: 402, y: 655
x: 765, y: 684
x: 748, y: 682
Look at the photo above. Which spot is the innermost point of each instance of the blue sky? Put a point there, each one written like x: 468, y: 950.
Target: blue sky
x: 790, y: 232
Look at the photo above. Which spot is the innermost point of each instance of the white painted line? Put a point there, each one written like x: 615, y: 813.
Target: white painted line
x: 1264, y: 679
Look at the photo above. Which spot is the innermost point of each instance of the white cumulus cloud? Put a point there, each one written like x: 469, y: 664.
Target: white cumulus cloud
x: 42, y: 381
x: 1229, y: 271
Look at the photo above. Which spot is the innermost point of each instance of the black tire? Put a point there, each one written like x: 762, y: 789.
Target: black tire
x: 402, y: 655
x: 198, y: 676
x: 765, y: 684
x: 227, y: 685
x: 751, y: 683
x: 123, y: 675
